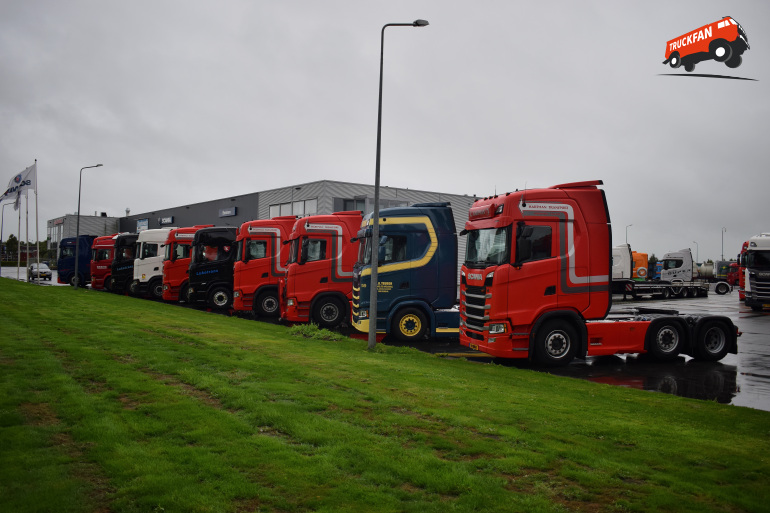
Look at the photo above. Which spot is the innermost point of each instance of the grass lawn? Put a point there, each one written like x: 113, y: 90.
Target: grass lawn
x: 115, y: 404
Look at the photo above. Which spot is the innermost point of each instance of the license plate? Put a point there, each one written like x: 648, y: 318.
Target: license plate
x: 475, y: 347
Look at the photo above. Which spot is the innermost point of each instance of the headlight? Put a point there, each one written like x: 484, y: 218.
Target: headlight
x: 497, y: 328
x: 237, y: 293
x: 363, y: 314
x: 290, y: 302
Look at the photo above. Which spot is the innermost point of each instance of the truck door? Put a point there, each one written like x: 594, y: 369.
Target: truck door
x: 535, y: 272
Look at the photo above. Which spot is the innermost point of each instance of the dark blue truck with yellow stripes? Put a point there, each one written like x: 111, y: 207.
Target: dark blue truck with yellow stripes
x: 417, y: 273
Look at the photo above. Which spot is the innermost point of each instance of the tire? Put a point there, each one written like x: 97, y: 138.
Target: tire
x: 156, y: 289
x: 133, y: 287
x: 328, y: 312
x: 734, y: 62
x: 555, y: 343
x: 220, y: 298
x: 108, y: 284
x: 73, y: 281
x: 409, y: 325
x: 689, y: 67
x: 720, y: 50
x: 266, y: 304
x: 685, y: 292
x: 722, y: 288
x: 711, y: 341
x: 674, y: 60
x: 664, y: 340
x: 666, y: 293
x: 184, y: 294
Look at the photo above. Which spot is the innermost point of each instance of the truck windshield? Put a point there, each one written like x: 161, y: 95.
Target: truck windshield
x: 67, y: 252
x: 755, y: 259
x: 672, y: 263
x: 365, y: 251
x: 489, y: 246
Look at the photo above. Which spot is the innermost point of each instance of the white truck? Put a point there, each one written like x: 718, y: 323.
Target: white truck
x: 757, y: 287
x: 148, y: 265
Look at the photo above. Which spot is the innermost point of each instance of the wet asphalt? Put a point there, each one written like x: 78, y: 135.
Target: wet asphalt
x: 741, y: 379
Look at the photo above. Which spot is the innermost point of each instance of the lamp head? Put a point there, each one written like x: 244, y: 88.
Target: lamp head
x: 420, y: 23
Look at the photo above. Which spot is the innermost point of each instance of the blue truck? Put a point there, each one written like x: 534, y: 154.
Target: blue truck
x: 417, y: 273
x: 66, y: 262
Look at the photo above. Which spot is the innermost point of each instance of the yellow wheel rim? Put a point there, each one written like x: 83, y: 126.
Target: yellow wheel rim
x: 410, y: 325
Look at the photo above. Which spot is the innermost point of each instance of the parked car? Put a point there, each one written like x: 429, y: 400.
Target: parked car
x: 39, y: 270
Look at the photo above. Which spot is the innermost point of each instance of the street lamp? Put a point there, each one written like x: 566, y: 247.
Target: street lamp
x: 627, y: 232
x: 76, y: 278
x: 2, y: 220
x: 696, y: 251
x: 723, y: 242
x: 375, y: 242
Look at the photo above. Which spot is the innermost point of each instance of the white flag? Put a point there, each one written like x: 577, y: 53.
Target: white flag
x: 25, y: 180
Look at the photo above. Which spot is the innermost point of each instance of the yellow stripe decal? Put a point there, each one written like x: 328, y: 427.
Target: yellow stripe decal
x: 411, y: 264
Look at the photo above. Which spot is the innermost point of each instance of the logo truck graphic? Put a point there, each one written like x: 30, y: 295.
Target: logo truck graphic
x: 723, y: 40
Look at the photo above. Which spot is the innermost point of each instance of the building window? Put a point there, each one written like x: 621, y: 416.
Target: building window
x: 354, y: 204
x: 299, y: 208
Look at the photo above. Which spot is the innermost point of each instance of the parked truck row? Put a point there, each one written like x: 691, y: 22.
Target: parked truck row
x: 535, y: 282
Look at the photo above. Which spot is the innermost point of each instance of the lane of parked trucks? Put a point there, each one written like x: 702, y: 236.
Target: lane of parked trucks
x: 536, y: 281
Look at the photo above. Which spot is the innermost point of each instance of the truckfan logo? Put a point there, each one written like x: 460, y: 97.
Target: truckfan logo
x: 722, y: 41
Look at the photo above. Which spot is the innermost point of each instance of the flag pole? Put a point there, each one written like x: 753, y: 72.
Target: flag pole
x: 37, y: 228
x: 26, y: 229
x: 18, y: 248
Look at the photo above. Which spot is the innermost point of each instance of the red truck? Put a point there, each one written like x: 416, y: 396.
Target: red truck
x: 260, y: 264
x: 102, y: 253
x: 177, y: 262
x: 742, y: 271
x: 318, y: 285
x: 536, y: 284
x: 723, y: 41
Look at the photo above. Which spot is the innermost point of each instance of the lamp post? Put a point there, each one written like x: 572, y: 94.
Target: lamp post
x: 375, y: 242
x: 2, y: 221
x: 76, y: 278
x: 627, y: 232
x: 697, y: 259
x: 723, y: 242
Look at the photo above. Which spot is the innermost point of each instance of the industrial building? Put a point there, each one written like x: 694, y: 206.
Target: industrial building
x: 319, y: 197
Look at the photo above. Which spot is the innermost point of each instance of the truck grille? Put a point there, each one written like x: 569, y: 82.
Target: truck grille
x: 760, y: 287
x: 475, y: 301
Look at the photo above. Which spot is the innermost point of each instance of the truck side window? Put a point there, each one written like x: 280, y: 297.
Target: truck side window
x: 316, y: 250
x: 149, y: 250
x: 395, y: 249
x: 181, y: 250
x: 533, y: 243
x: 256, y: 249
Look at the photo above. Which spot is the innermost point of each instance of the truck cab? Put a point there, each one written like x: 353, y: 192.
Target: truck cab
x: 417, y: 273
x: 211, y: 267
x: 176, y: 263
x: 757, y: 280
x: 148, y: 264
x: 318, y: 285
x: 260, y: 264
x: 68, y: 250
x: 123, y: 262
x: 102, y: 254
x: 678, y: 267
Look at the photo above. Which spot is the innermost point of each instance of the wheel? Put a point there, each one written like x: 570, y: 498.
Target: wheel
x: 156, y: 289
x: 689, y: 67
x: 73, y: 281
x: 711, y: 342
x: 266, y: 304
x: 328, y: 312
x: 734, y: 62
x: 722, y: 288
x: 664, y: 339
x: 720, y: 50
x: 108, y: 283
x: 133, y: 287
x: 409, y: 325
x: 685, y: 292
x: 220, y: 298
x: 666, y: 293
x: 555, y: 343
x: 184, y: 294
x: 674, y: 60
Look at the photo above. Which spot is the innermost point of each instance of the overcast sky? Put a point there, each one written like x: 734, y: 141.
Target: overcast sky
x: 188, y: 101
